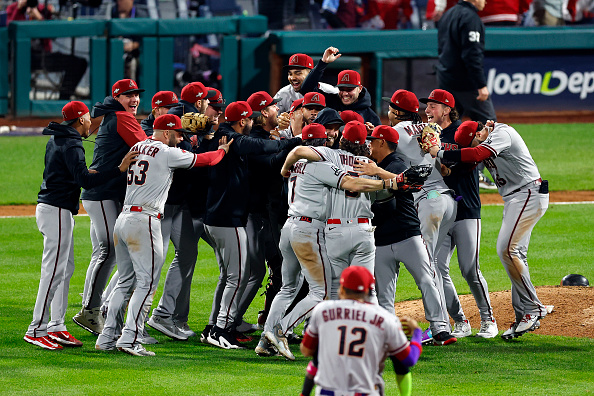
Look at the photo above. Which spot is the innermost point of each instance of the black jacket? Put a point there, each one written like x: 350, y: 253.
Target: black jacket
x: 147, y: 124
x: 464, y: 178
x: 461, y: 47
x: 361, y: 106
x: 396, y: 219
x: 110, y: 147
x: 229, y: 190
x: 66, y: 170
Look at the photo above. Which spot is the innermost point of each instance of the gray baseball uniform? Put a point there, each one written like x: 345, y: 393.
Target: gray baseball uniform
x: 139, y: 247
x: 302, y: 242
x: 348, y: 232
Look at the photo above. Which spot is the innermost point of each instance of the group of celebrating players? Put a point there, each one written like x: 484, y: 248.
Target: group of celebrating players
x: 308, y: 183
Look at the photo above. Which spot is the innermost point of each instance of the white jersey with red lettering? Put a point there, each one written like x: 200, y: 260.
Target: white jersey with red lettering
x: 150, y: 177
x: 511, y: 164
x: 412, y: 154
x: 342, y: 204
x: 354, y: 339
x: 309, y: 191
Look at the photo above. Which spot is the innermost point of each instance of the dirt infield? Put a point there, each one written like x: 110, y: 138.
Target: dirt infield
x: 572, y: 316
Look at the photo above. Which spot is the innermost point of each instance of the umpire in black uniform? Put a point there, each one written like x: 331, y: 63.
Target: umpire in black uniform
x: 461, y: 50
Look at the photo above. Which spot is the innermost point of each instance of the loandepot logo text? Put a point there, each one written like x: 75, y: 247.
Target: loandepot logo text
x: 550, y: 83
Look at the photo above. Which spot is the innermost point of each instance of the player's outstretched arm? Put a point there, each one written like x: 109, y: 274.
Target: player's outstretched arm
x: 300, y: 152
x: 371, y: 169
x: 361, y: 184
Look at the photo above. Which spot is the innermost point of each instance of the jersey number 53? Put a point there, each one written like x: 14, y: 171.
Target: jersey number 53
x: 140, y: 178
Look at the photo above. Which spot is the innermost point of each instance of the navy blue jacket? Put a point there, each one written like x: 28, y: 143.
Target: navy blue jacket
x: 229, y: 190
x: 66, y: 170
x: 110, y: 147
x: 461, y: 48
x: 361, y: 106
x: 396, y: 219
x: 464, y: 178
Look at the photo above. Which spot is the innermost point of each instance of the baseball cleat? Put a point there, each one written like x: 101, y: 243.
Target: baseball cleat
x: 444, y: 338
x: 241, y: 337
x: 146, y: 338
x: 488, y: 329
x: 293, y: 339
x: 427, y: 337
x: 105, y: 343
x: 278, y: 339
x: 461, y: 329
x: 205, y: 333
x: 167, y: 327
x: 43, y: 342
x: 136, y: 350
x: 511, y: 332
x: 64, y: 338
x: 247, y: 328
x: 90, y: 319
x: 184, y: 328
x: 223, y: 339
x: 264, y: 348
x: 528, y: 323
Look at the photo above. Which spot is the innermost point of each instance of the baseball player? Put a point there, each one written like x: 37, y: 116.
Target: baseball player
x: 302, y: 237
x: 170, y: 317
x: 65, y: 172
x: 465, y: 233
x: 525, y: 200
x: 351, y: 95
x: 161, y: 103
x: 139, y: 248
x: 333, y: 124
x: 398, y: 238
x: 226, y: 219
x: 352, y: 339
x: 297, y: 70
x: 348, y: 232
x: 119, y: 130
x: 306, y: 111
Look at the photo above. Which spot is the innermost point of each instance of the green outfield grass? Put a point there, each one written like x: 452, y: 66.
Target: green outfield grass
x: 532, y: 364
x: 561, y: 151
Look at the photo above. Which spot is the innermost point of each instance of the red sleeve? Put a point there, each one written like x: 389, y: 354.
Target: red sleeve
x: 475, y: 154
x: 208, y: 159
x: 13, y: 13
x: 129, y: 128
x: 309, y: 341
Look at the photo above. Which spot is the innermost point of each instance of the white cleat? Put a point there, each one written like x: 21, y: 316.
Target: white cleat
x: 278, y: 339
x: 488, y: 329
x: 528, y: 323
x: 136, y: 350
x: 461, y: 329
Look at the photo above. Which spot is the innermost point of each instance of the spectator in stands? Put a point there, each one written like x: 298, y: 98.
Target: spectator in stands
x: 504, y: 12
x: 341, y: 13
x: 436, y: 8
x: 548, y: 12
x: 42, y: 56
x: 576, y: 12
x: 392, y: 14
x: 127, y: 9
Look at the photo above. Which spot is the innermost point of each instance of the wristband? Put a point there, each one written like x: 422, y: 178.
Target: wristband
x: 440, y: 154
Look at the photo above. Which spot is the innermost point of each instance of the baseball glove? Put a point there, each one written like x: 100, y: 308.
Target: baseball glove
x: 195, y: 122
x: 430, y: 136
x: 413, y: 178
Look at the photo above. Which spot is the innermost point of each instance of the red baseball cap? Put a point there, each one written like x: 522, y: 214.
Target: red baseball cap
x: 440, y: 96
x: 314, y: 99
x: 313, y: 131
x: 295, y: 105
x: 74, y: 110
x: 355, y: 132
x: 168, y: 122
x: 125, y: 86
x: 217, y: 100
x: 357, y: 279
x: 385, y: 132
x: 164, y: 99
x: 260, y: 100
x: 350, y: 115
x: 403, y: 100
x: 299, y: 61
x: 466, y: 133
x: 196, y: 91
x: 348, y: 79
x: 239, y: 110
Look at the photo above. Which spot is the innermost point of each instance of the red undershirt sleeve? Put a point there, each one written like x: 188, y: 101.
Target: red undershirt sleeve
x: 469, y: 154
x: 209, y: 158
